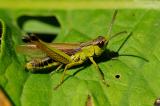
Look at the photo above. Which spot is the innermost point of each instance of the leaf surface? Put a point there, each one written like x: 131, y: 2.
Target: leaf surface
x: 138, y: 82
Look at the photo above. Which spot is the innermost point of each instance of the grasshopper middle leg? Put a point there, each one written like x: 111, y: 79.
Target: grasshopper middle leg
x: 57, y: 69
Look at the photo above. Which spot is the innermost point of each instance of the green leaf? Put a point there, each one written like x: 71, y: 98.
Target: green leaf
x: 138, y: 82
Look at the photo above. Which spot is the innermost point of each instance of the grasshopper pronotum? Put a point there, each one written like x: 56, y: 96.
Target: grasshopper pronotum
x: 68, y: 54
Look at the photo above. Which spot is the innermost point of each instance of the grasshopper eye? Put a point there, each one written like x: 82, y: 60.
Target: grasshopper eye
x: 101, y: 44
x: 101, y: 41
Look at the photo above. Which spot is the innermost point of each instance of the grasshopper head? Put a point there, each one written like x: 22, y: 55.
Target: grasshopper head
x: 100, y: 41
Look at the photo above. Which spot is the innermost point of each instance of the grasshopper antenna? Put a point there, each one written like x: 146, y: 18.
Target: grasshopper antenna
x: 112, y: 22
x: 130, y: 34
x: 146, y: 60
x: 119, y: 33
x: 124, y: 42
x: 111, y: 26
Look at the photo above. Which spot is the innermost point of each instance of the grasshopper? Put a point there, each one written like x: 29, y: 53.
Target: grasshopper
x: 68, y: 54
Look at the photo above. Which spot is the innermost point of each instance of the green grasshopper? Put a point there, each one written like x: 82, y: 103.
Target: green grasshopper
x: 68, y: 54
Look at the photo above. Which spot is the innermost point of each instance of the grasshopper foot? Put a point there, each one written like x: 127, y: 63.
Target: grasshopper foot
x: 105, y: 83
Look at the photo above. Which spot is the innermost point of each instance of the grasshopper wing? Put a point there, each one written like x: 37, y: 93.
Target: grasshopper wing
x: 68, y: 48
x: 32, y: 50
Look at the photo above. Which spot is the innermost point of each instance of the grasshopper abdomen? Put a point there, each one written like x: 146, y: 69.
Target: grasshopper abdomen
x: 41, y: 63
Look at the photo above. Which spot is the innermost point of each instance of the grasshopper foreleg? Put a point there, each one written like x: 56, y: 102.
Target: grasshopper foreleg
x: 99, y: 71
